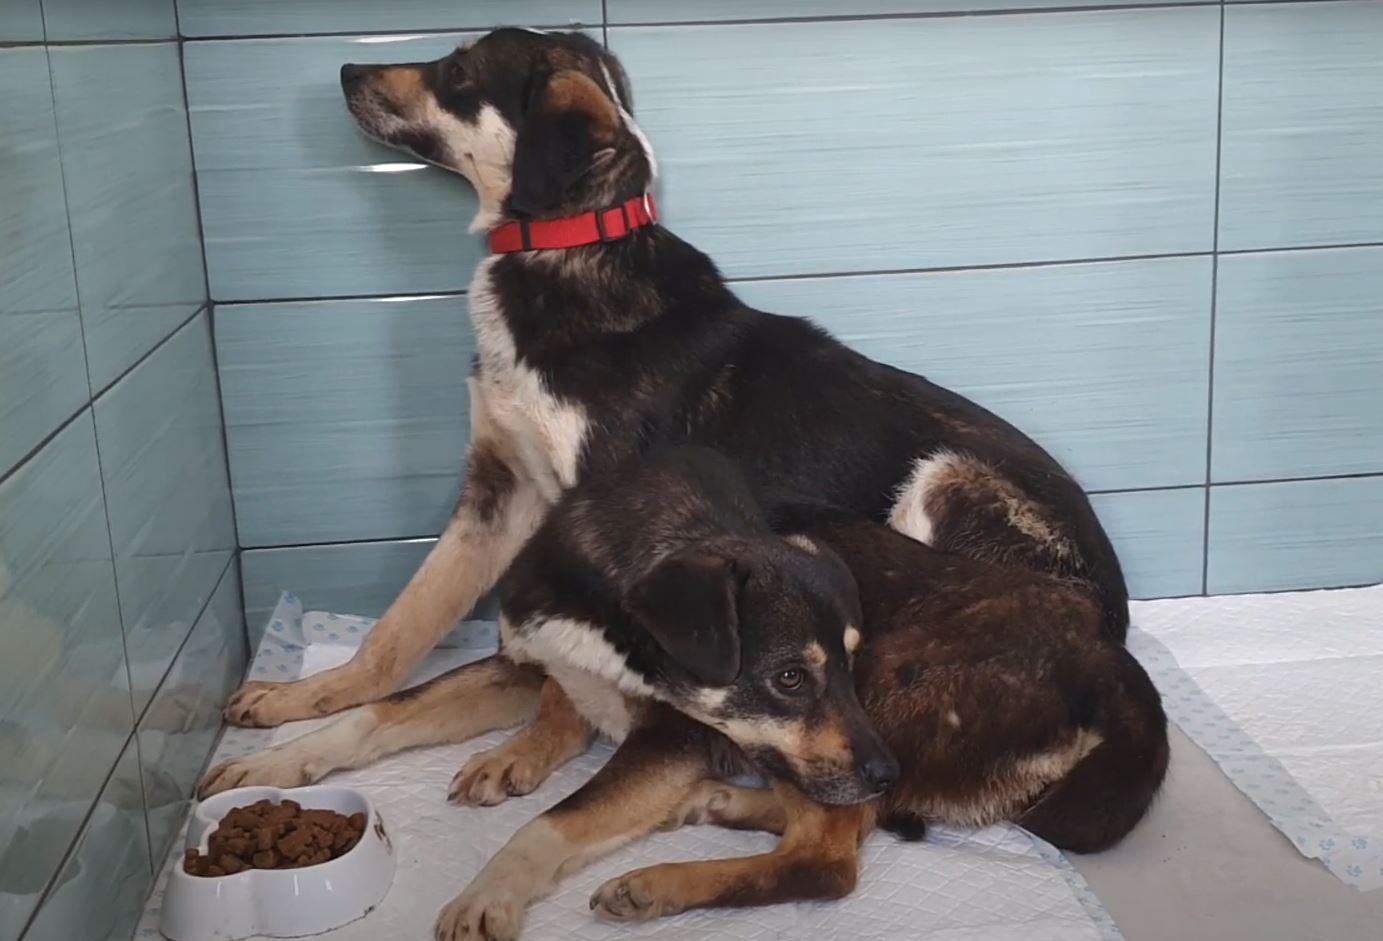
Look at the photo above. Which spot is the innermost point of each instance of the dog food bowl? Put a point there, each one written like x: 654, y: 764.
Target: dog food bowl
x: 279, y: 903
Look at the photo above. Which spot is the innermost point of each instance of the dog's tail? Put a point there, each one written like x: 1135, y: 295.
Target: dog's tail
x: 1110, y: 789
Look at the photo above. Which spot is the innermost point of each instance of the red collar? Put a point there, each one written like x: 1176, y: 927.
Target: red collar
x: 605, y: 225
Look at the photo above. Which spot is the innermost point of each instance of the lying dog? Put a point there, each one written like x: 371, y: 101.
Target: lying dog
x: 679, y: 623
x: 601, y: 334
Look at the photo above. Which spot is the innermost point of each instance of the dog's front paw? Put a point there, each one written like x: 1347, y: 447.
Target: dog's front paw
x: 273, y: 767
x: 481, y: 914
x: 493, y: 776
x: 635, y: 896
x: 260, y: 705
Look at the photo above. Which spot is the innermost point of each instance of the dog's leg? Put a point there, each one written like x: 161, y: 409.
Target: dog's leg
x: 498, y: 512
x: 557, y: 735
x: 461, y: 704
x: 817, y: 858
x: 715, y: 803
x: 647, y: 778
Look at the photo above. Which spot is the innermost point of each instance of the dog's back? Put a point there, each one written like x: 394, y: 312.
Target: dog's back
x: 999, y: 693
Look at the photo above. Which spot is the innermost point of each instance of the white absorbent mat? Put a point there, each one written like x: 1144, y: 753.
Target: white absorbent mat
x: 1000, y: 884
x: 1285, y: 692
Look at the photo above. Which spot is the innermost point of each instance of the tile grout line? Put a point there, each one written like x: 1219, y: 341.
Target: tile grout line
x: 211, y: 308
x: 841, y: 275
x: 1214, y: 303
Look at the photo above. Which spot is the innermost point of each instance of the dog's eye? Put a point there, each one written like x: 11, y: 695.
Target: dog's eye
x: 788, y: 680
x: 456, y: 71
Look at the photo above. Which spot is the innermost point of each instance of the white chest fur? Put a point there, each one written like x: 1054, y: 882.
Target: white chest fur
x: 545, y: 432
x: 592, y: 673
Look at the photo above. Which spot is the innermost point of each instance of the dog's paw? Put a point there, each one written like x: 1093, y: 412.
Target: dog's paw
x: 273, y: 767
x: 261, y: 705
x: 634, y: 896
x: 481, y: 914
x: 493, y: 776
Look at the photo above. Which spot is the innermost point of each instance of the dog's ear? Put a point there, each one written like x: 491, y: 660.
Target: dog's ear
x: 689, y: 603
x: 568, y: 128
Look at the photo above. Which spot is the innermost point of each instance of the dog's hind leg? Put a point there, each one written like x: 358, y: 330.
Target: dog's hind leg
x: 557, y: 735
x: 461, y: 704
x: 817, y: 858
x: 499, y: 510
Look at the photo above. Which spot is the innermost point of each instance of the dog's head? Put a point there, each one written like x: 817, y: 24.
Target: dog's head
x: 539, y: 123
x: 759, y: 635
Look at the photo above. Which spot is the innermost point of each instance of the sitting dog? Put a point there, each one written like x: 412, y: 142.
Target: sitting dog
x: 600, y: 334
x: 677, y: 620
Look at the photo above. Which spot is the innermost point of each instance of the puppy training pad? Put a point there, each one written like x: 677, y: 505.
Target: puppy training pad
x: 1285, y: 692
x: 993, y: 885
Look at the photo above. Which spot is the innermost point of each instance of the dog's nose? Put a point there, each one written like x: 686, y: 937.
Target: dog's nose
x: 880, y: 772
x: 351, y: 74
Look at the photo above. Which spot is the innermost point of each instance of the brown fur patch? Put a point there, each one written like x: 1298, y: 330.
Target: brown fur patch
x: 575, y: 91
x: 489, y: 481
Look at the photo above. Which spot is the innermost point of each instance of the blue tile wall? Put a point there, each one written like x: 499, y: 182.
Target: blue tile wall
x: 1078, y: 135
x: 1298, y: 359
x: 115, y: 511
x: 295, y: 203
x: 336, y: 404
x: 171, y: 524
x: 261, y: 17
x: 177, y: 731
x: 65, y: 708
x: 99, y: 893
x: 661, y: 11
x: 42, y: 367
x: 1296, y: 534
x: 128, y: 170
x: 1303, y: 125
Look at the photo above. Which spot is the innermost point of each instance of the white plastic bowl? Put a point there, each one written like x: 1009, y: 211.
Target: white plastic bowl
x: 279, y: 903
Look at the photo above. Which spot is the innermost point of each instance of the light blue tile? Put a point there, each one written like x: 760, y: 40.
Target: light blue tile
x: 42, y: 377
x: 1298, y: 534
x: 20, y: 21
x: 1299, y: 365
x: 345, y: 419
x: 42, y: 367
x: 170, y: 512
x: 295, y: 201
x: 258, y: 17
x: 1303, y: 125
x: 662, y: 11
x: 64, y: 693
x: 128, y: 167
x: 178, y: 730
x: 35, y: 250
x: 1105, y: 364
x: 100, y: 892
x: 361, y: 578
x: 933, y: 142
x: 109, y: 19
x: 1160, y: 538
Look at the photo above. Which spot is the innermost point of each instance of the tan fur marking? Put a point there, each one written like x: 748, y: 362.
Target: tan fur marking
x: 555, y: 736
x: 804, y: 543
x: 574, y: 91
x: 401, y: 83
x: 852, y: 638
x: 815, y: 654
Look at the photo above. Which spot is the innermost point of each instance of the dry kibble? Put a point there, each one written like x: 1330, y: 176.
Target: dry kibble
x: 265, y: 835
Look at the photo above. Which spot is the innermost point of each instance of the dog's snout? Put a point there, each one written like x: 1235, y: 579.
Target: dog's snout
x: 351, y: 74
